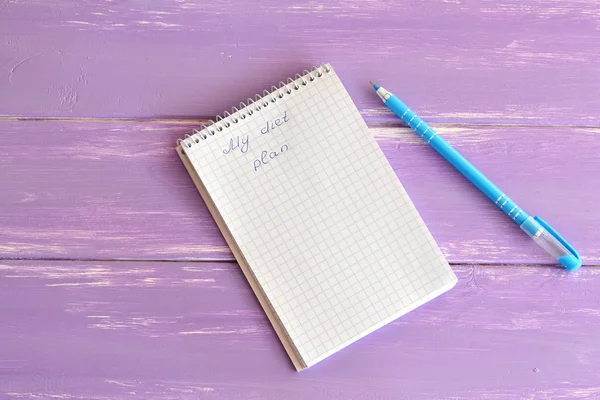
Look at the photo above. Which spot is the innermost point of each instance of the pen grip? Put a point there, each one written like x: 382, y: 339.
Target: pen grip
x: 475, y: 176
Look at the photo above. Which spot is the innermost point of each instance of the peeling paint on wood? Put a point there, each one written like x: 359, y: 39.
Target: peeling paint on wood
x: 98, y: 190
x: 124, y: 330
x: 87, y: 185
x: 490, y: 61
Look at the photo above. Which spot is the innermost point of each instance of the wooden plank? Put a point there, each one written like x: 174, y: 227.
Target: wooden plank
x: 117, y: 190
x: 453, y: 61
x: 124, y: 330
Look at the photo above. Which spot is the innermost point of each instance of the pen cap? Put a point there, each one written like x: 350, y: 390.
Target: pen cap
x: 544, y: 235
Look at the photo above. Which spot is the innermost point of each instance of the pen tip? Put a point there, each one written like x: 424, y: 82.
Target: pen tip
x: 376, y: 87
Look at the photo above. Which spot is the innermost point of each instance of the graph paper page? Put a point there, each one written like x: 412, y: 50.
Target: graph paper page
x: 320, y: 217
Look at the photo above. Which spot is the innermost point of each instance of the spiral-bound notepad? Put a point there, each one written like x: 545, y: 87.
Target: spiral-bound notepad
x: 316, y: 217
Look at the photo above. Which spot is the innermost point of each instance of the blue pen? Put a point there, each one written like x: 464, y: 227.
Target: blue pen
x: 542, y: 233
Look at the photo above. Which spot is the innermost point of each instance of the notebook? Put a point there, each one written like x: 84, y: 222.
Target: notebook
x: 322, y: 228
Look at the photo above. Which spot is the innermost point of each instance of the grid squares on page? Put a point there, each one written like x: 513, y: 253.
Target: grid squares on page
x: 326, y: 227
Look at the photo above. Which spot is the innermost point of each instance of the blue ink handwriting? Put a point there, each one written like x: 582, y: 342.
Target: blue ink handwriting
x: 268, y: 156
x: 242, y: 143
x: 274, y: 124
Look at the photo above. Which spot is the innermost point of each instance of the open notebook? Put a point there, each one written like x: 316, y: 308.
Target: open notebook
x: 314, y: 214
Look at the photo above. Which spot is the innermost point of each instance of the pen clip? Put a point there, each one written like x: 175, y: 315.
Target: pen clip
x: 558, y: 237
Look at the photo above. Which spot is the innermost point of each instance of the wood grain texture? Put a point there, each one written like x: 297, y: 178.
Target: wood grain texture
x: 493, y: 61
x: 105, y: 190
x: 102, y: 190
x: 124, y: 330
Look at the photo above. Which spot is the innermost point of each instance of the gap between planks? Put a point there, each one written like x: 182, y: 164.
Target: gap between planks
x: 232, y: 260
x: 198, y: 121
x: 205, y: 120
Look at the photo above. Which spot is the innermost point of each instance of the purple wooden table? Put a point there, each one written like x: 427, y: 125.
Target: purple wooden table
x: 115, y: 282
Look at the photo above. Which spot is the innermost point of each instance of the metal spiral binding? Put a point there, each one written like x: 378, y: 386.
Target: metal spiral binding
x: 251, y: 106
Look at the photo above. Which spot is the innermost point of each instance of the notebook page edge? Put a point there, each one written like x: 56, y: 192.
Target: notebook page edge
x: 280, y: 330
x: 411, y: 307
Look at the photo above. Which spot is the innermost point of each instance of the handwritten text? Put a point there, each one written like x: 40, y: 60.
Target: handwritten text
x: 241, y: 144
x: 238, y: 143
x: 274, y: 124
x: 268, y: 156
